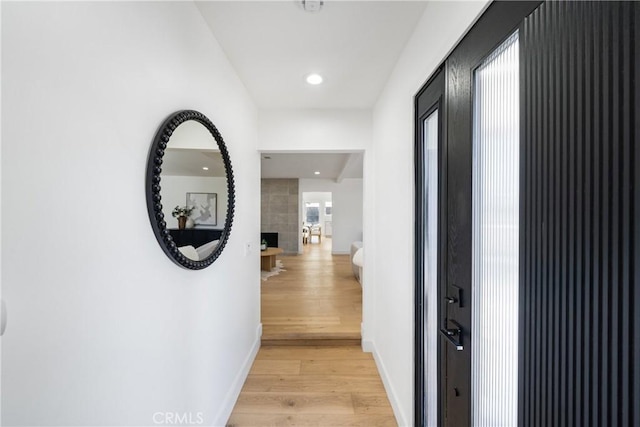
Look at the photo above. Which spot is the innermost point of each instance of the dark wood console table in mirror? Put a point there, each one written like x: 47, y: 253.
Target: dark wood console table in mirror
x: 194, y: 236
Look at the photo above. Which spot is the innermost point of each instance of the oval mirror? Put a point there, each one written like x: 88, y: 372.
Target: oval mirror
x: 190, y: 189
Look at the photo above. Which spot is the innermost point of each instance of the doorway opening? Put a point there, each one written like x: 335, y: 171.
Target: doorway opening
x: 317, y: 215
x: 316, y: 298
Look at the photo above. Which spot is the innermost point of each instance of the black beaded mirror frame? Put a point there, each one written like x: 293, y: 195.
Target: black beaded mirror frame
x: 154, y: 199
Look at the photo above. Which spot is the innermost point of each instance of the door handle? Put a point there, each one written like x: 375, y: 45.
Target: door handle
x: 451, y: 333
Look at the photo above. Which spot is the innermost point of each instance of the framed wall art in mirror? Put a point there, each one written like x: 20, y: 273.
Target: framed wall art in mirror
x: 189, y: 170
x: 205, y: 206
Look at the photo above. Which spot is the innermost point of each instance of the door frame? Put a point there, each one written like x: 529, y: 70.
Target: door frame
x: 434, y: 91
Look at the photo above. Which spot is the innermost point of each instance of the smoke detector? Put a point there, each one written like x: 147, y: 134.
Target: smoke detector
x: 312, y: 6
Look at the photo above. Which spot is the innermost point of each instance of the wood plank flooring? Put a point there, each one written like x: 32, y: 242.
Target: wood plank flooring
x: 316, y: 374
x: 313, y: 386
x: 316, y: 298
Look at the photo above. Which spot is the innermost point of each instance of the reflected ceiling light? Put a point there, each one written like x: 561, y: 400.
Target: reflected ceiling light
x: 314, y: 79
x: 204, y: 168
x: 317, y: 172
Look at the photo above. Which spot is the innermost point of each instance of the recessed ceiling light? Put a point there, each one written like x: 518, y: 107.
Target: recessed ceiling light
x: 312, y: 5
x: 314, y: 79
x: 317, y: 172
x: 204, y: 168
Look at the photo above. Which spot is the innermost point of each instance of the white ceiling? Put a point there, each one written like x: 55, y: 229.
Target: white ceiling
x: 300, y: 165
x: 273, y: 45
x: 189, y: 162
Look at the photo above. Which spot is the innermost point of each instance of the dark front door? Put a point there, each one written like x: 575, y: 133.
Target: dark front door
x: 556, y: 213
x: 459, y: 216
x: 478, y: 296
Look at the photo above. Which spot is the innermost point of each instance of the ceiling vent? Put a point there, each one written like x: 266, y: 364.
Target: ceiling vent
x: 312, y: 6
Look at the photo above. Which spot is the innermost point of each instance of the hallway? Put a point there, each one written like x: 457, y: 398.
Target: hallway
x: 310, y: 370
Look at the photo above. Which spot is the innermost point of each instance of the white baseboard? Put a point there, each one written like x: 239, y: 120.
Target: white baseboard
x: 401, y: 418
x: 341, y: 253
x: 236, y: 387
x: 366, y: 344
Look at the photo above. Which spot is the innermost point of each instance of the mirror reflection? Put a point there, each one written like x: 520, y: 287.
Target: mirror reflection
x: 194, y: 190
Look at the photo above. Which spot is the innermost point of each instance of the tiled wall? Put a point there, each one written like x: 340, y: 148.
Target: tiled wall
x: 279, y: 211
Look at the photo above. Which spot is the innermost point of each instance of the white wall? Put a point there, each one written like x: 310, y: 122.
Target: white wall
x: 317, y: 130
x: 103, y: 328
x: 175, y: 188
x: 388, y: 274
x: 314, y: 130
x: 347, y: 209
x: 2, y: 308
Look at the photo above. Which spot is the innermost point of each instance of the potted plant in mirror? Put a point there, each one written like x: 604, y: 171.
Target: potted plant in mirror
x: 182, y: 213
x: 263, y: 245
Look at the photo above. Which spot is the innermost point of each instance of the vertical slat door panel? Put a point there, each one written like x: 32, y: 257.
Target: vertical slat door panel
x: 579, y: 213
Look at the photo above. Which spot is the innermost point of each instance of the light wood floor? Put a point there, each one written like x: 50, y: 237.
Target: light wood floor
x: 313, y: 386
x: 301, y: 381
x: 317, y: 298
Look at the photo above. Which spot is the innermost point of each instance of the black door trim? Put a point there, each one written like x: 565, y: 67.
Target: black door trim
x: 429, y: 99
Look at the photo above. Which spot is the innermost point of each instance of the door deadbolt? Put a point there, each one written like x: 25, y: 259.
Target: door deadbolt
x: 455, y: 296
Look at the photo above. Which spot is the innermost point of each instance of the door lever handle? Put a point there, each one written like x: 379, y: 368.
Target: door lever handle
x: 450, y: 333
x: 451, y: 300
